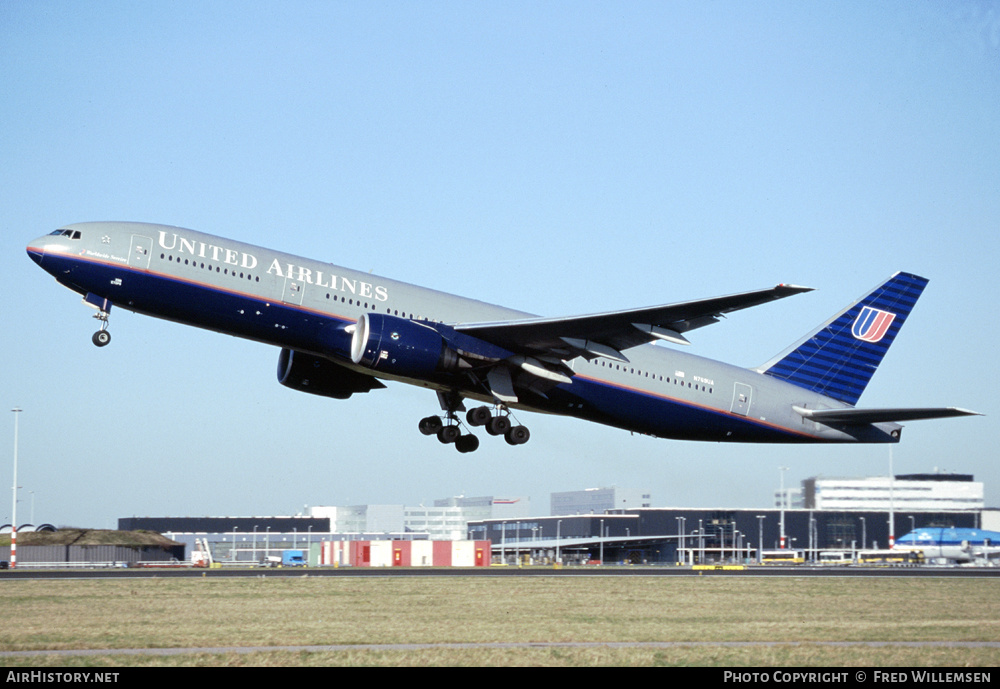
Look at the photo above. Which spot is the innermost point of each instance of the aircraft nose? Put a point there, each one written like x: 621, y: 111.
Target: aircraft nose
x: 36, y: 250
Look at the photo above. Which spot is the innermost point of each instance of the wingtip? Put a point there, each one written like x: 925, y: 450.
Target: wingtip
x: 793, y: 289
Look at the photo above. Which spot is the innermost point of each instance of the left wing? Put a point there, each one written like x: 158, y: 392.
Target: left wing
x: 608, y: 334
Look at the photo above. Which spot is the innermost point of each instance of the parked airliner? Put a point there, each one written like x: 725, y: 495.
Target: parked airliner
x: 343, y: 331
x: 953, y: 545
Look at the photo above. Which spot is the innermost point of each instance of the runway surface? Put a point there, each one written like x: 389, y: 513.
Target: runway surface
x: 588, y: 571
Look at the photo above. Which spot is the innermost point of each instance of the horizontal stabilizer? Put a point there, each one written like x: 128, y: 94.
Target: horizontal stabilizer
x: 863, y: 417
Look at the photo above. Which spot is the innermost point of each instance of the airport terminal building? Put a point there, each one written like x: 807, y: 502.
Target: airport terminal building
x: 614, y: 525
x: 830, y: 514
x: 701, y: 536
x: 924, y: 492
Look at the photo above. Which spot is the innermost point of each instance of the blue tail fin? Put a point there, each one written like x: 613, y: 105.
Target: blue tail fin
x: 839, y: 359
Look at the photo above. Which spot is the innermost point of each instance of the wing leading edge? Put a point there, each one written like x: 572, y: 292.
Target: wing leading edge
x: 608, y: 334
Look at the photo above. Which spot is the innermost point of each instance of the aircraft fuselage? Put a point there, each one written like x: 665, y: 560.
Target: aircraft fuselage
x: 309, y: 306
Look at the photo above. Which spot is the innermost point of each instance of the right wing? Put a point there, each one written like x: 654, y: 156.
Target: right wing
x: 608, y: 334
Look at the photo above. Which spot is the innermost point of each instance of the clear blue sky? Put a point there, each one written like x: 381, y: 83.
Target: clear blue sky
x: 559, y: 158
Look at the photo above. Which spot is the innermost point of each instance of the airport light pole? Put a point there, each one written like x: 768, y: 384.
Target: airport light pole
x: 503, y: 543
x: 813, y: 536
x: 517, y: 543
x: 602, y: 543
x: 760, y: 537
x: 558, y: 529
x: 702, y: 553
x: 680, y: 537
x: 13, y: 516
x: 783, y: 500
x: 892, y: 516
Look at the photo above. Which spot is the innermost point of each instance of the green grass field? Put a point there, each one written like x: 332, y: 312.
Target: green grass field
x: 307, y: 611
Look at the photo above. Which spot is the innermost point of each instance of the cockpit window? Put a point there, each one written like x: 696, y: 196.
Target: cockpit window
x: 72, y: 234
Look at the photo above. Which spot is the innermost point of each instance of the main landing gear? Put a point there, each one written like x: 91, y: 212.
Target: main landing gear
x: 498, y: 425
x: 448, y: 430
x: 449, y: 433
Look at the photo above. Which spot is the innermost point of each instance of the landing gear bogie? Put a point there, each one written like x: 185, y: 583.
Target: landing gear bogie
x: 448, y: 428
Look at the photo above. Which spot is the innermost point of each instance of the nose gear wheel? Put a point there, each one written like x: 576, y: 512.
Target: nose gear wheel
x: 102, y: 337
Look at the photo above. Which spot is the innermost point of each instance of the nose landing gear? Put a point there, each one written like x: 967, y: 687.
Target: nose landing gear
x: 102, y: 337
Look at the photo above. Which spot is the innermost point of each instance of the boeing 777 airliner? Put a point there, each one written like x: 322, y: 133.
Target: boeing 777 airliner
x: 343, y: 331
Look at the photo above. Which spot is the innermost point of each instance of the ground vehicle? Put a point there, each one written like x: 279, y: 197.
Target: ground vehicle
x: 891, y: 557
x: 293, y: 558
x: 782, y: 556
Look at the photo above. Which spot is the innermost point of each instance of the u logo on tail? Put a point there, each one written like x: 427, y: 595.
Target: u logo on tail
x: 872, y: 324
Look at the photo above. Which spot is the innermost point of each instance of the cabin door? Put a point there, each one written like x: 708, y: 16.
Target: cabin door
x: 140, y: 251
x: 293, y: 291
x: 741, y: 399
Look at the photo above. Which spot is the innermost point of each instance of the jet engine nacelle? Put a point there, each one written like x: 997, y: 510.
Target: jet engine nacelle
x: 323, y: 377
x: 389, y: 344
